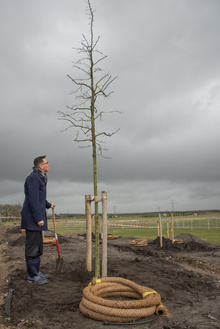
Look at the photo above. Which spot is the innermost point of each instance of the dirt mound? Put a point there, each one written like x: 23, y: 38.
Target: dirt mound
x: 13, y: 230
x: 190, y: 243
x: 187, y: 237
x: 92, y: 234
x: 18, y: 241
x: 15, y: 237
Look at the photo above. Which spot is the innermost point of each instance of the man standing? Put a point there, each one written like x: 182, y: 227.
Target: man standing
x: 33, y: 218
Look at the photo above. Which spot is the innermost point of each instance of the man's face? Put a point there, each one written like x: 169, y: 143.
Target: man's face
x: 45, y: 166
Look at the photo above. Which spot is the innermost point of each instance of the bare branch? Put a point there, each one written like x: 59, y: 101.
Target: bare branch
x: 107, y: 134
x: 99, y: 60
x: 79, y: 83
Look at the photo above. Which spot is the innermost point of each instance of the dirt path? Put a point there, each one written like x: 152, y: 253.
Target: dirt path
x: 187, y: 277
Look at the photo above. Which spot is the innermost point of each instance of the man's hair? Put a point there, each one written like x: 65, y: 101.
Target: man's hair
x: 38, y: 161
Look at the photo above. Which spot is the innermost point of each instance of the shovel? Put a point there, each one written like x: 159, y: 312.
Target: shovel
x: 59, y: 260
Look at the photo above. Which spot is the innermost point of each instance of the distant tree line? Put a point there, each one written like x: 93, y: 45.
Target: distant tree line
x: 7, y: 210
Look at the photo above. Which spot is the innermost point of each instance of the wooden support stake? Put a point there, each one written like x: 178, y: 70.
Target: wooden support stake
x: 158, y: 228
x: 172, y: 228
x: 168, y: 233
x: 105, y: 233
x: 88, y: 233
x: 161, y: 233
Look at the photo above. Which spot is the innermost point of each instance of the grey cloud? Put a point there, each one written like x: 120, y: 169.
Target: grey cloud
x: 166, y: 57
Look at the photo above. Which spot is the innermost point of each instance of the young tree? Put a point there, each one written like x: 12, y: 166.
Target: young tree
x: 92, y: 84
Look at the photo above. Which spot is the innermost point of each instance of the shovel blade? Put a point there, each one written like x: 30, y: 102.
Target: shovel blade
x: 59, y: 265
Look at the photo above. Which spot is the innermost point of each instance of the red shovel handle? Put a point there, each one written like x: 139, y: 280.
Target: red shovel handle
x: 58, y: 248
x: 56, y: 237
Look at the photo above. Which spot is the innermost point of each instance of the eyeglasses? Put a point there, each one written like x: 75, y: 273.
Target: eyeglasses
x: 45, y: 163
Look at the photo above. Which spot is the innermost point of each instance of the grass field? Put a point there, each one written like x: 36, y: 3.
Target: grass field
x: 205, y: 226
x: 211, y: 235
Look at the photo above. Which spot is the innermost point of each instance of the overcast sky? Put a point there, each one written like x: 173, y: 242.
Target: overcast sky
x: 166, y: 55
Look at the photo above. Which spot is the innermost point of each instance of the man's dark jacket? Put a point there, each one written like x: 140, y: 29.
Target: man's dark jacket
x: 35, y: 203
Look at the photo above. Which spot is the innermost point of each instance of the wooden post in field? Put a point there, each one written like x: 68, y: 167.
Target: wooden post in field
x: 172, y: 228
x: 88, y: 233
x: 168, y: 235
x: 158, y: 228
x: 105, y: 233
x: 161, y: 234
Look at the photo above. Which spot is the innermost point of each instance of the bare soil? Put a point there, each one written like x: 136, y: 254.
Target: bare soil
x: 187, y: 276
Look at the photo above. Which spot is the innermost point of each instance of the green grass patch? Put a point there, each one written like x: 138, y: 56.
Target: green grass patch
x: 204, y: 226
x: 208, y: 235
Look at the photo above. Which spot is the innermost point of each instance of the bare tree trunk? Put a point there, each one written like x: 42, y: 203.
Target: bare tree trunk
x: 94, y: 155
x: 84, y: 113
x: 95, y: 186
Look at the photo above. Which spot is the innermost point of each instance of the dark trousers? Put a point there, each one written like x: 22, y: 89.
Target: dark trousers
x: 33, y: 244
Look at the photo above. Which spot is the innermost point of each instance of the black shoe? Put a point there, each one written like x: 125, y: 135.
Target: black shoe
x: 33, y: 269
x: 37, y: 279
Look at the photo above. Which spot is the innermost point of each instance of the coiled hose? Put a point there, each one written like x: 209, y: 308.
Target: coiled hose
x: 138, y: 243
x: 146, y: 301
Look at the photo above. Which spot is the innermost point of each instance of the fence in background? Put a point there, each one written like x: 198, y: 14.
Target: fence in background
x: 183, y: 223
x: 72, y: 224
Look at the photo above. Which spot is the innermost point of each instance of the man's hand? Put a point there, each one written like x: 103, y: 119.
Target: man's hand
x: 41, y: 223
x: 53, y: 205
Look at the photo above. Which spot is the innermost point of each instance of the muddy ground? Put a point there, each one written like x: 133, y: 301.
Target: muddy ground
x: 187, y: 276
